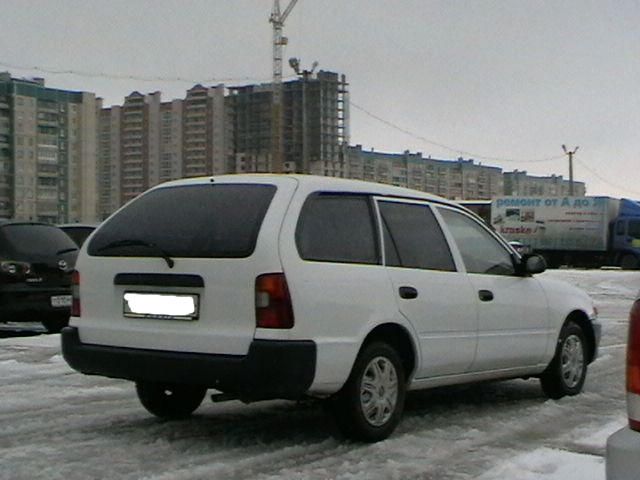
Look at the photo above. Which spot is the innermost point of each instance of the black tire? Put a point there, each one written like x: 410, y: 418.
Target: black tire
x: 381, y: 366
x: 551, y: 260
x: 629, y: 262
x: 567, y: 371
x: 170, y: 401
x: 55, y: 323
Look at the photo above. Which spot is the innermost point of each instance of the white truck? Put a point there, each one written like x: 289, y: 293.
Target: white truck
x: 579, y: 231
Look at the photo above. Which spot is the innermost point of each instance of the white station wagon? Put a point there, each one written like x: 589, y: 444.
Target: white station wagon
x: 291, y: 286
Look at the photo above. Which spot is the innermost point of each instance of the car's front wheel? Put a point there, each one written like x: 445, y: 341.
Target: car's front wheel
x: 567, y: 371
x: 170, y: 401
x: 370, y: 404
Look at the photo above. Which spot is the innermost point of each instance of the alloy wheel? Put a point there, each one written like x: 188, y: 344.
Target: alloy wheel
x: 572, y: 361
x: 379, y: 391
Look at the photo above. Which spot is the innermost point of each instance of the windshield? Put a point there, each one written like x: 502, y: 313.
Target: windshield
x: 29, y: 239
x: 197, y: 221
x: 634, y: 229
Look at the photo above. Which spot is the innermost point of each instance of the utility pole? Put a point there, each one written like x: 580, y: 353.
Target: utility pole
x: 570, y: 154
x: 277, y: 20
x: 294, y: 63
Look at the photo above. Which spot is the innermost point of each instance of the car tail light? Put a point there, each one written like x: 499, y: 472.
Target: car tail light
x: 75, y: 294
x: 15, y: 269
x: 273, y: 302
x: 633, y: 367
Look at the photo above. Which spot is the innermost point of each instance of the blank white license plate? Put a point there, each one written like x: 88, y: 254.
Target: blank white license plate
x: 169, y: 306
x: 61, y: 301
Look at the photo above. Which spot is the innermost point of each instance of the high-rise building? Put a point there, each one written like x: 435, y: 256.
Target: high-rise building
x: 315, y: 123
x: 206, y: 132
x: 171, y: 140
x: 145, y: 141
x: 139, y: 160
x: 47, y: 152
x: 109, y: 161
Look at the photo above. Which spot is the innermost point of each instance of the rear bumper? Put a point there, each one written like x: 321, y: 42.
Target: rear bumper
x: 30, y: 304
x: 623, y: 455
x: 271, y: 369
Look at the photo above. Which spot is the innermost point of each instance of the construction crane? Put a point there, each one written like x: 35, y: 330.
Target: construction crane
x: 277, y: 19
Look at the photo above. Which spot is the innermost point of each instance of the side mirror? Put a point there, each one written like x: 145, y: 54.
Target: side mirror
x: 534, y: 264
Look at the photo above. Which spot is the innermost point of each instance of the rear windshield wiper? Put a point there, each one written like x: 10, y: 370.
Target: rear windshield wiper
x: 139, y: 243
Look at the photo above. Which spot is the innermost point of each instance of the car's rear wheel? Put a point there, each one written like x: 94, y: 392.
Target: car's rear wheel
x: 170, y: 401
x: 370, y: 404
x: 567, y: 371
x: 55, y: 323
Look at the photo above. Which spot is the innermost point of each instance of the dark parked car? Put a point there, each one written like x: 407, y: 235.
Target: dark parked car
x: 623, y: 447
x: 78, y: 232
x: 36, y: 261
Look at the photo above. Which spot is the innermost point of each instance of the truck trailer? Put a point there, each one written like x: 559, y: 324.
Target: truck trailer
x: 574, y: 231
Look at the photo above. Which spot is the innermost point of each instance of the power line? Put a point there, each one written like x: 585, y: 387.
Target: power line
x: 497, y: 159
x: 604, y: 180
x: 114, y: 76
x: 143, y: 78
x: 446, y: 147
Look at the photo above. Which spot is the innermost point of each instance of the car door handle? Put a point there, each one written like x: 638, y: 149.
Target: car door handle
x: 408, y: 292
x: 485, y: 295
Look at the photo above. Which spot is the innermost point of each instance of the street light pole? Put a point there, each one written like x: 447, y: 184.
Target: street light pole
x: 570, y: 154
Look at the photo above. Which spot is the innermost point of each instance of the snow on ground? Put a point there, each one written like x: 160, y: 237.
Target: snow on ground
x: 58, y: 424
x: 548, y: 464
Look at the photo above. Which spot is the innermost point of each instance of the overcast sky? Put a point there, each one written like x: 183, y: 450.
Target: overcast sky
x: 506, y: 82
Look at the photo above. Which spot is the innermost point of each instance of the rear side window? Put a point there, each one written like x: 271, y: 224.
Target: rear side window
x: 413, y: 238
x: 337, y: 228
x: 192, y: 221
x: 29, y: 239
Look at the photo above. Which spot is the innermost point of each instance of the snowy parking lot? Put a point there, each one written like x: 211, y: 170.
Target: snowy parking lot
x: 58, y: 424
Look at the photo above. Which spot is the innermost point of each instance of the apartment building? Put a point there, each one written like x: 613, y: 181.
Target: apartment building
x: 455, y: 179
x: 519, y: 183
x: 48, y: 152
x: 145, y: 141
x: 109, y: 195
x: 206, y: 132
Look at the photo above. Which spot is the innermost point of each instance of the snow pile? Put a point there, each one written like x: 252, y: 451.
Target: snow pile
x: 548, y: 464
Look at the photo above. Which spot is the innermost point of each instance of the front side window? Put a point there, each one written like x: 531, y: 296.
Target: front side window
x: 480, y: 251
x: 413, y: 238
x: 337, y: 228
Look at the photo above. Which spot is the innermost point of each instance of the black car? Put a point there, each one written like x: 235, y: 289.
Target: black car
x: 78, y: 232
x: 36, y: 262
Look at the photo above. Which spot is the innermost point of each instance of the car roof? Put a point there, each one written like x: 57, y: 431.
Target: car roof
x: 315, y: 182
